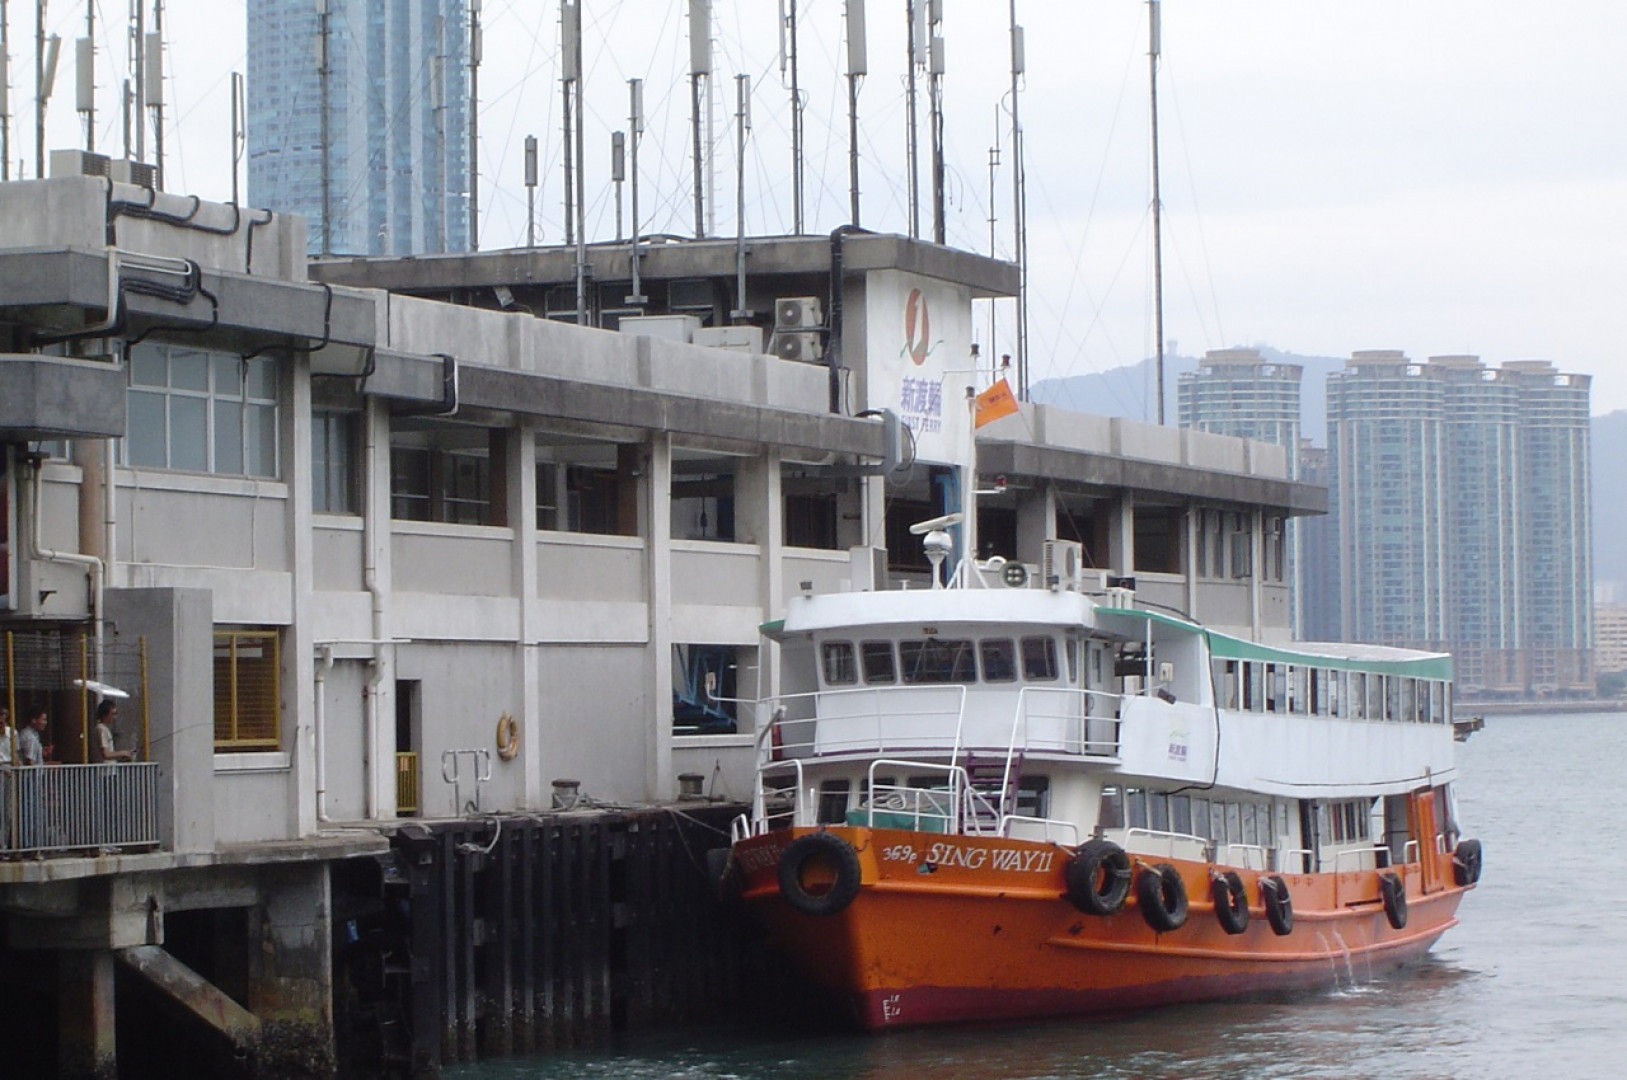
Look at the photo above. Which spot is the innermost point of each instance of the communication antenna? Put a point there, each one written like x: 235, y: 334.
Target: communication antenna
x: 742, y: 125
x: 152, y: 80
x: 914, y: 12
x: 238, y: 110
x: 85, y: 70
x: 1019, y: 204
x: 635, y: 130
x: 994, y: 166
x: 476, y: 39
x: 857, y: 68
x: 46, y: 53
x: 138, y: 16
x: 5, y: 93
x: 788, y: 59
x: 935, y: 94
x: 700, y: 67
x: 618, y: 171
x: 570, y: 33
x: 1154, y: 33
x: 581, y: 171
x: 530, y: 191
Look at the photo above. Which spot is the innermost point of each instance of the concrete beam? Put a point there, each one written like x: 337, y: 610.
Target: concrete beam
x: 193, y: 992
x: 749, y: 425
x: 1107, y: 471
x: 55, y: 397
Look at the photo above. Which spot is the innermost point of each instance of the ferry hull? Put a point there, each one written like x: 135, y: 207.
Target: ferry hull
x: 947, y: 929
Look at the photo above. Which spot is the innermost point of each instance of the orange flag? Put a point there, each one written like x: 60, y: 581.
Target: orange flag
x: 993, y: 403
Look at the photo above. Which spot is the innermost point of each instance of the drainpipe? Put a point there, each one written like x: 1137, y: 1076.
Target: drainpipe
x: 36, y: 541
x: 833, y: 338
x: 370, y: 539
x: 319, y: 721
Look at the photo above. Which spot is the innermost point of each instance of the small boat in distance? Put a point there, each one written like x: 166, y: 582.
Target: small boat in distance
x: 1022, y: 795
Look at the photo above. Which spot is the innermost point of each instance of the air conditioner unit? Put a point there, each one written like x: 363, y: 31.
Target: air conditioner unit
x: 802, y: 345
x: 747, y: 339
x: 78, y: 163
x: 138, y: 173
x: 1061, y: 562
x: 797, y: 312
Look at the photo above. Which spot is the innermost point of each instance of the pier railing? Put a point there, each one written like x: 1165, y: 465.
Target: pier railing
x: 58, y: 808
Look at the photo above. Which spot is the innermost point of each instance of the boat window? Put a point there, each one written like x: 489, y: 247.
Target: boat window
x: 1393, y: 709
x: 1096, y: 676
x: 1375, y: 697
x: 1251, y: 833
x: 1409, y: 700
x: 936, y: 660
x: 1039, y: 659
x: 1034, y: 796
x: 1111, y: 813
x: 1246, y: 677
x: 999, y: 659
x: 838, y: 663
x: 1200, y: 817
x: 1180, y: 814
x: 1356, y: 703
x: 1158, y: 811
x: 1336, y: 682
x: 1234, y: 823
x: 1217, y: 821
x: 878, y: 661
x: 1135, y: 806
x: 1299, y: 694
x: 833, y: 801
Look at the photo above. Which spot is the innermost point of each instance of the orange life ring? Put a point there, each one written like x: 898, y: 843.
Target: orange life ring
x: 508, y: 737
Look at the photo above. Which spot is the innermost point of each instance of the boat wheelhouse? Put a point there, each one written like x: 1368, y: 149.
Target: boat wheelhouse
x: 991, y: 802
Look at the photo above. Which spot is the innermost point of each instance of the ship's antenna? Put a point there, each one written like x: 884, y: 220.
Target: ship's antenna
x: 857, y: 65
x: 935, y: 71
x: 994, y: 166
x: 788, y: 60
x: 1019, y: 205
x: 618, y: 173
x: 475, y: 45
x: 238, y: 110
x: 700, y: 68
x: 85, y: 72
x: 1153, y: 34
x: 581, y: 173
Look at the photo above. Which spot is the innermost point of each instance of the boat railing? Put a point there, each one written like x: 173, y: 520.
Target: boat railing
x: 868, y: 718
x: 1142, y: 841
x: 1247, y: 856
x: 1045, y: 830
x: 1411, y: 852
x: 776, y: 806
x: 1378, y: 853
x: 893, y: 805
x: 1307, y: 860
x: 1060, y: 720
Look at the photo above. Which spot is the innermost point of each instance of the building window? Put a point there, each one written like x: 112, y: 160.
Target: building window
x: 198, y: 410
x: 333, y: 462
x: 810, y: 521
x: 1157, y: 540
x: 705, y: 686
x: 447, y: 474
x: 703, y: 507
x: 248, y: 705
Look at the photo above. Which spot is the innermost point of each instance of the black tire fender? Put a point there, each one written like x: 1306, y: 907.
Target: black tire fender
x: 1466, y: 859
x: 1161, y: 895
x: 1231, y: 901
x: 819, y: 874
x: 1278, y: 904
x: 1098, y: 877
x: 1394, y: 891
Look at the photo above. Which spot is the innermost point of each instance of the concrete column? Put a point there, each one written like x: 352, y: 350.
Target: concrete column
x: 760, y: 519
x: 1191, y: 519
x: 1036, y: 522
x: 657, y: 531
x: 1121, y: 535
x: 290, y: 978
x: 379, y: 771
x: 85, y: 1029
x: 298, y: 652
x: 178, y: 628
x: 522, y: 501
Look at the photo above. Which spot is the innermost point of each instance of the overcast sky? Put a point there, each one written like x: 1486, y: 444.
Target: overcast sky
x: 1436, y: 177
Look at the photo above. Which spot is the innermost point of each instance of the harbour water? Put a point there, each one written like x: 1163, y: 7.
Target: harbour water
x: 1533, y: 982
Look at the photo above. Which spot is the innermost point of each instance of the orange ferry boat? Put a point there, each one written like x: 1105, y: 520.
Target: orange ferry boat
x: 986, y: 802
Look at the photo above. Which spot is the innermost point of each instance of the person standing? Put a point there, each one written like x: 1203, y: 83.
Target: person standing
x: 7, y: 737
x: 107, y: 716
x: 30, y: 747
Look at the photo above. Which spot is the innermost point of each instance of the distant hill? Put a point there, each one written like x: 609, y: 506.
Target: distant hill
x: 1127, y: 391
x: 1123, y: 391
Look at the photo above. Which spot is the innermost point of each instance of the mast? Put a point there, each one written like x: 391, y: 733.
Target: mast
x: 1157, y: 205
x: 1019, y: 206
x: 857, y: 67
x: 475, y: 41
